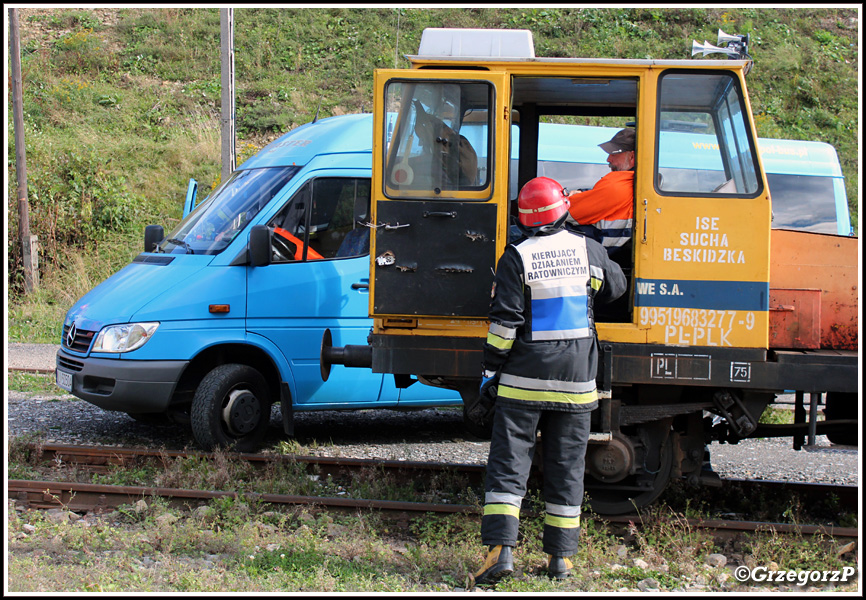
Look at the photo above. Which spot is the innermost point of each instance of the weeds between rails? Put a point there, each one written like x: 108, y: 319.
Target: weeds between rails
x: 393, y: 481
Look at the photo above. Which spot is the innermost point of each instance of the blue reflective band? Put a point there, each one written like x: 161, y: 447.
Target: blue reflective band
x: 718, y: 295
x: 559, y: 314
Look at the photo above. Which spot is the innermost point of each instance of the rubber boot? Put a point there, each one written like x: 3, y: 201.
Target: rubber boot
x: 497, y: 565
x: 558, y: 567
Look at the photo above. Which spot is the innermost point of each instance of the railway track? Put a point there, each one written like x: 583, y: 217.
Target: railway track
x: 83, y: 497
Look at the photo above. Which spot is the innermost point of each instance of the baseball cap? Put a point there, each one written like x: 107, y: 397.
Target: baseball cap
x: 623, y: 141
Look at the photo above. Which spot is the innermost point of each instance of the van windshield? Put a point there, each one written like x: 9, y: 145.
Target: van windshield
x: 224, y: 214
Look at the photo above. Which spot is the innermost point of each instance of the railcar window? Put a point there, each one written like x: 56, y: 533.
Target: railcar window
x: 440, y: 143
x: 709, y: 104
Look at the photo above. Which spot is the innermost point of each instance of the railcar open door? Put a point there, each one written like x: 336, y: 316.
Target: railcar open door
x: 439, y: 181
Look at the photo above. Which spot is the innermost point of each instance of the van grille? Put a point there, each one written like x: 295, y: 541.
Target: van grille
x: 80, y: 341
x: 69, y: 364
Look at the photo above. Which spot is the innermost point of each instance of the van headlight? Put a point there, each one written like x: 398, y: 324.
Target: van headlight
x: 123, y: 338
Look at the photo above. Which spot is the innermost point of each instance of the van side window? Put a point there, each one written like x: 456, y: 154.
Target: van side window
x: 326, y: 218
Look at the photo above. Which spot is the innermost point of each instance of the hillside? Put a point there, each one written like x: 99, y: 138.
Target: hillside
x: 122, y: 105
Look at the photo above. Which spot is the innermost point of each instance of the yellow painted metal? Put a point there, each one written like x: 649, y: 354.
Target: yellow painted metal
x: 502, y: 124
x: 681, y: 243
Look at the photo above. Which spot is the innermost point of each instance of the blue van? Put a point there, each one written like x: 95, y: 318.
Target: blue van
x: 225, y: 316
x: 192, y: 331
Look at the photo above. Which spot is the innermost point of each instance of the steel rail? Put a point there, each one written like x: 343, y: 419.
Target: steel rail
x: 77, y: 496
x: 84, y: 497
x: 110, y: 456
x: 847, y: 495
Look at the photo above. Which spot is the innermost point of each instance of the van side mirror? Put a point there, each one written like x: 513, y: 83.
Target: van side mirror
x: 153, y: 235
x: 260, y: 246
x: 189, y: 203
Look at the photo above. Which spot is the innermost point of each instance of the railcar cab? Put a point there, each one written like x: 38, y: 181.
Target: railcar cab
x: 444, y: 188
x: 457, y: 136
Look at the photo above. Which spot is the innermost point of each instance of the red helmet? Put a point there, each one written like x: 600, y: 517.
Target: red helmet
x: 541, y: 202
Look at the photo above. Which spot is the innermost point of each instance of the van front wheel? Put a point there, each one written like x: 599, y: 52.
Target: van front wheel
x: 231, y: 409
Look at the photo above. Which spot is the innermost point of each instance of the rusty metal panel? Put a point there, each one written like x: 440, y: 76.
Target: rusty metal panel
x: 830, y: 263
x: 795, y: 319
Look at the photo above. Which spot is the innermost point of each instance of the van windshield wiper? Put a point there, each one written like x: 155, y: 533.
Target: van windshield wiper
x: 178, y: 242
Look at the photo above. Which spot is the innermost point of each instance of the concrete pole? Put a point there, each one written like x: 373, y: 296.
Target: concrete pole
x: 227, y: 60
x: 29, y: 244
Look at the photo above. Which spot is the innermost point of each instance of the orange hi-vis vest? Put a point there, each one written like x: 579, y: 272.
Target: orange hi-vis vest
x: 609, y: 206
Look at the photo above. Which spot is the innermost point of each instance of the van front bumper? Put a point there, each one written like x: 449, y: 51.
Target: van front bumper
x: 123, y: 385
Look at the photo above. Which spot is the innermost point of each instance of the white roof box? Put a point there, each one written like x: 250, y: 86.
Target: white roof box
x: 502, y: 43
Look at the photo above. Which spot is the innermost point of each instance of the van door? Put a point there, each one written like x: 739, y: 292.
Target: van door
x: 318, y: 278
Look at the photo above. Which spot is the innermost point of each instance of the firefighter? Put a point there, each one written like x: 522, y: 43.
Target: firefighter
x: 539, y: 368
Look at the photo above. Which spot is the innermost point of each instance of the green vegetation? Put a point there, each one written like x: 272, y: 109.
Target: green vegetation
x: 231, y: 544
x: 243, y: 543
x: 121, y: 106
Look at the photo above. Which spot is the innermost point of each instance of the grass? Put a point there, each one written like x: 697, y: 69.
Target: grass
x: 32, y: 383
x: 242, y: 544
x: 121, y: 106
x: 231, y: 545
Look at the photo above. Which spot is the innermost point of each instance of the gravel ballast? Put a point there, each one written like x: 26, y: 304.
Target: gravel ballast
x: 421, y: 435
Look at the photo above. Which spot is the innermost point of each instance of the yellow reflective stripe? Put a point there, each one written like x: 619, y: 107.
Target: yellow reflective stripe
x: 547, y: 396
x: 508, y: 510
x: 499, y: 342
x: 562, y: 522
x: 595, y: 283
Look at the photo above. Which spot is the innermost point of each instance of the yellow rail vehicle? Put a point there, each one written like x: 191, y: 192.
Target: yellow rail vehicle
x: 716, y: 322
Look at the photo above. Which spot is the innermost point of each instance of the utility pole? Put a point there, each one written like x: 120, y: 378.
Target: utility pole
x: 29, y: 247
x: 227, y: 60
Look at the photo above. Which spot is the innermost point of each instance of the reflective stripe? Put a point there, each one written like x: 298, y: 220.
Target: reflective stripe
x: 528, y: 211
x: 574, y: 387
x: 562, y: 510
x: 616, y: 232
x: 507, y: 333
x: 503, y: 498
x: 544, y: 292
x: 596, y: 277
x: 502, y: 509
x: 498, y: 342
x: 562, y: 522
x: 547, y: 396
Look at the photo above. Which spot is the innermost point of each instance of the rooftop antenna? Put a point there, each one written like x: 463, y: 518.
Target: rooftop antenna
x: 316, y: 118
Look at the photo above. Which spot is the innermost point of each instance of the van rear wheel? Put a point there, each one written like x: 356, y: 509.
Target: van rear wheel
x: 231, y: 409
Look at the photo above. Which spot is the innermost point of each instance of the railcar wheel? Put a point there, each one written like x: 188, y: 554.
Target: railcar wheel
x: 622, y: 495
x: 231, y: 409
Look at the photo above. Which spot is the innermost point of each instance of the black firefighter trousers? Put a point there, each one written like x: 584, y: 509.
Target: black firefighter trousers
x: 564, y: 437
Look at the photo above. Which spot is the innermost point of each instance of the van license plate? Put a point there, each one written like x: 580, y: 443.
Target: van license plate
x: 64, y: 380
